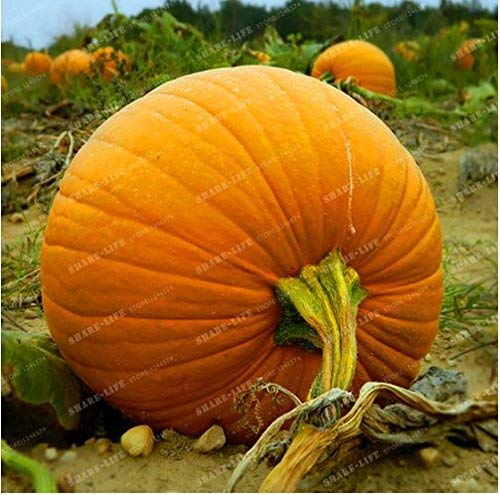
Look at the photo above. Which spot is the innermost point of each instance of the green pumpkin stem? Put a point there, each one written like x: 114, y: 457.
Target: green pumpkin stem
x: 319, y: 311
x: 42, y: 478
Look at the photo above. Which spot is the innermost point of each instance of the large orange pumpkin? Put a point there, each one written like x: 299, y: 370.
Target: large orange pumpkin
x: 463, y: 57
x: 365, y: 63
x: 110, y: 61
x: 186, y: 212
x: 37, y: 63
x: 70, y: 64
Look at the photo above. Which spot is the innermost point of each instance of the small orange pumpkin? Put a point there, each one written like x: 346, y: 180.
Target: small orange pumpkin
x: 16, y: 68
x: 367, y: 64
x: 173, y: 248
x: 110, y: 61
x: 407, y: 49
x: 463, y: 57
x: 37, y: 63
x: 70, y: 64
x: 260, y: 56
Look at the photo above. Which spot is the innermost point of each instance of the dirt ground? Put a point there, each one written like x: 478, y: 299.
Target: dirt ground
x: 174, y: 467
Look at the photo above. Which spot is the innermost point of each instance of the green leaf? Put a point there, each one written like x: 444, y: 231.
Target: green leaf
x: 477, y: 96
x: 38, y: 375
x: 440, y: 86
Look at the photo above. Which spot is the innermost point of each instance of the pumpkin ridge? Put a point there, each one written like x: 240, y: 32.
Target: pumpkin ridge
x: 400, y: 319
x: 241, y: 378
x: 143, y: 267
x: 245, y: 148
x: 312, y: 150
x: 254, y: 270
x: 368, y: 307
x: 388, y: 335
x: 176, y: 363
x: 252, y: 370
x: 393, y: 364
x: 297, y: 245
x: 132, y: 316
x: 363, y: 369
x: 391, y: 222
x: 399, y: 209
x: 388, y: 288
x: 124, y: 217
x: 211, y: 204
x: 423, y: 237
x: 365, y: 334
x: 394, y: 226
x: 73, y: 359
x: 402, y: 375
x: 396, y: 211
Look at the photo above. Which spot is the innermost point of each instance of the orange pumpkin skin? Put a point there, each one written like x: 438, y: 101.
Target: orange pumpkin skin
x: 109, y: 61
x: 464, y: 58
x: 37, y: 63
x: 367, y: 64
x: 70, y: 64
x: 179, y: 215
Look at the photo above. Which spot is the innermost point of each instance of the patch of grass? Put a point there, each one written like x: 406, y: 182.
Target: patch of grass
x: 21, y: 270
x: 470, y: 298
x: 13, y: 147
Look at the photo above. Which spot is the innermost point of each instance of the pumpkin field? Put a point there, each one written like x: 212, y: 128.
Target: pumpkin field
x: 251, y: 247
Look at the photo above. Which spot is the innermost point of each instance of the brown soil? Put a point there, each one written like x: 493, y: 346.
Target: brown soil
x: 174, y: 467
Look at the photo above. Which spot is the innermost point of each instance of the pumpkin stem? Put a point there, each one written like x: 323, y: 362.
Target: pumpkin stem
x: 320, y: 307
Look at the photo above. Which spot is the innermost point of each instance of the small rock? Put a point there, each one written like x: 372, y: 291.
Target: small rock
x: 429, y: 456
x: 102, y: 446
x: 40, y: 448
x: 6, y: 388
x: 212, y: 439
x: 449, y: 460
x: 16, y: 217
x: 30, y: 314
x: 50, y: 454
x: 66, y: 483
x: 90, y: 441
x: 240, y: 449
x: 68, y: 456
x: 139, y: 440
x: 427, y: 358
x: 167, y: 434
x: 469, y: 486
x: 492, y: 470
